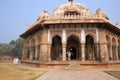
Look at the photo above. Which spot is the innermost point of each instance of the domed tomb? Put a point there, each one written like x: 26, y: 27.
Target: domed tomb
x: 72, y: 29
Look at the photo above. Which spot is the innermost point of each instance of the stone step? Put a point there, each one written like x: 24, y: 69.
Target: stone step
x: 75, y: 65
x: 75, y: 68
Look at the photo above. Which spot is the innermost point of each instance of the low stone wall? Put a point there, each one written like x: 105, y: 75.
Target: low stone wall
x: 105, y: 65
x: 64, y: 65
x: 6, y: 61
x: 49, y: 65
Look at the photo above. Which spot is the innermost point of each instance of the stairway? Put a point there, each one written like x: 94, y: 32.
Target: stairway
x: 75, y: 65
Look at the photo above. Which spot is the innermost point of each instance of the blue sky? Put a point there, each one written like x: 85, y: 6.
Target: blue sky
x: 16, y: 14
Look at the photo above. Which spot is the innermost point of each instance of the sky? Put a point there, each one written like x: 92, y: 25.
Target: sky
x: 15, y: 15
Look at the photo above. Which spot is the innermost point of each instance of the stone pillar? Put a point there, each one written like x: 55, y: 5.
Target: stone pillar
x: 97, y: 52
x: 97, y: 46
x: 107, y: 54
x: 117, y: 53
x: 63, y: 36
x: 83, y: 44
x: 111, y: 52
x: 82, y: 36
x: 49, y: 35
x: 104, y: 52
x: 49, y: 45
x: 83, y: 51
x: 64, y: 45
x: 31, y: 53
x: 40, y: 55
x: 49, y: 52
x: 97, y: 36
x: 36, y: 52
x: 24, y: 54
x: 64, y: 52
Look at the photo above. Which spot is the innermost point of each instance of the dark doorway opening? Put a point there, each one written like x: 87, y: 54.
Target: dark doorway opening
x: 73, y: 53
x: 73, y: 46
x: 56, y: 49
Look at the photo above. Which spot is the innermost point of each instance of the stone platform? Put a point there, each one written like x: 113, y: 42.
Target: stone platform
x: 72, y: 64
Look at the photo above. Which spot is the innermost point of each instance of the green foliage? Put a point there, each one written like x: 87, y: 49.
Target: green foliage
x: 4, y: 49
x: 14, y: 48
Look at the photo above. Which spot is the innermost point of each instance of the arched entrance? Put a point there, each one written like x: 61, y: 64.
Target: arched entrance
x: 56, y: 49
x: 73, y: 46
x: 90, y: 48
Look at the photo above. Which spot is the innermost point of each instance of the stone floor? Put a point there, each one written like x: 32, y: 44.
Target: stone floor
x: 89, y: 74
x: 76, y: 75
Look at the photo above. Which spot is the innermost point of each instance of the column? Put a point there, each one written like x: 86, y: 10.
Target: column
x: 107, y: 54
x: 117, y: 58
x: 111, y: 52
x: 24, y: 54
x: 41, y: 54
x: 49, y: 45
x: 97, y: 36
x: 97, y: 52
x: 36, y: 52
x: 49, y: 52
x: 31, y: 53
x: 49, y: 35
x: 64, y: 52
x: 83, y: 44
x: 64, y: 36
x: 83, y: 51
x: 119, y: 52
x: 97, y: 46
x: 64, y: 45
x: 27, y: 56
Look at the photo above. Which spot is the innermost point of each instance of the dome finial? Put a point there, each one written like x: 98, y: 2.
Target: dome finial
x: 70, y: 0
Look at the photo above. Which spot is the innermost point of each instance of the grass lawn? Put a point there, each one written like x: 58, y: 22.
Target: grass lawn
x: 10, y: 72
x: 114, y: 73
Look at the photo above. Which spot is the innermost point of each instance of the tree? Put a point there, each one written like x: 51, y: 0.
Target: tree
x: 14, y: 48
x: 12, y: 42
x: 18, y: 47
x: 4, y: 49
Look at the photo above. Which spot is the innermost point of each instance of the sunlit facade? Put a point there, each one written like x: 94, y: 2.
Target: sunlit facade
x: 72, y: 28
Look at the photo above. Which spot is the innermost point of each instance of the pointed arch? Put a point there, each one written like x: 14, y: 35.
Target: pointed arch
x: 56, y: 48
x: 73, y: 46
x: 90, y: 48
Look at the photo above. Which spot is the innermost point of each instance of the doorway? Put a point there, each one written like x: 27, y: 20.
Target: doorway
x: 73, y: 46
x: 73, y: 53
x: 56, y: 48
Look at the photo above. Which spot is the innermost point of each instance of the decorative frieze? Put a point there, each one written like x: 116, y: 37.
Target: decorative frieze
x: 90, y: 30
x: 73, y: 32
x: 56, y: 32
